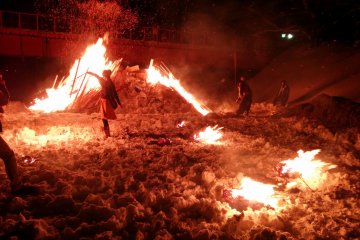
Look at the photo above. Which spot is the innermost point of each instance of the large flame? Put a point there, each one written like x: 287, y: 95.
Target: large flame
x: 312, y: 171
x: 154, y: 76
x: 210, y: 135
x: 77, y: 82
x: 256, y: 191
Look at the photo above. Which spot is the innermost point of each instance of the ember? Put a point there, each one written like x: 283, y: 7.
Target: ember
x: 180, y: 125
x: 28, y: 160
x: 210, y: 135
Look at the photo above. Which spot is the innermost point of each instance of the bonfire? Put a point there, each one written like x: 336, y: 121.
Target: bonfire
x: 125, y: 186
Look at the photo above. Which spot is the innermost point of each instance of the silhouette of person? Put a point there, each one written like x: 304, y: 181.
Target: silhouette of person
x: 282, y: 97
x: 244, y: 97
x: 109, y: 99
x: 6, y: 153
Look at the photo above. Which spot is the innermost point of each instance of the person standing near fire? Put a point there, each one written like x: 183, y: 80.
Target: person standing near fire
x: 244, y: 97
x: 109, y: 99
x: 6, y: 153
x: 282, y: 97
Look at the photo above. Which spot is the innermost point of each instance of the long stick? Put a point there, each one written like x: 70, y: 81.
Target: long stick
x: 77, y: 68
x: 61, y: 81
x: 55, y: 81
x: 83, y: 90
x: 77, y: 94
x: 306, y: 184
x: 165, y: 67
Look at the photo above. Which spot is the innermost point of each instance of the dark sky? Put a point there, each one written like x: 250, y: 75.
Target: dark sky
x: 330, y: 19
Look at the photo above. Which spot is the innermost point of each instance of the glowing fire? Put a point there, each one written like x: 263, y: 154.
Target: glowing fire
x: 154, y: 76
x: 256, y: 191
x: 180, y: 125
x: 54, y: 135
x: 312, y: 171
x: 77, y: 82
x: 210, y: 135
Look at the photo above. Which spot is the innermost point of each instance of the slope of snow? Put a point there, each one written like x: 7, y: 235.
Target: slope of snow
x: 330, y: 69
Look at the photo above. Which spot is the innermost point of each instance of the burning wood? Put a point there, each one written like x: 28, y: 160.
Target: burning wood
x: 182, y: 124
x: 210, y: 135
x: 65, y: 94
x: 155, y: 76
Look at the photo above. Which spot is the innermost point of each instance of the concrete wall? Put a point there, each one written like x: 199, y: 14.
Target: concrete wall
x: 138, y: 52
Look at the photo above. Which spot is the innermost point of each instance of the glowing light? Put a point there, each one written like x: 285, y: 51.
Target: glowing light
x: 312, y: 171
x: 28, y: 160
x: 283, y: 35
x: 256, y: 191
x: 210, y: 135
x: 77, y: 82
x: 290, y: 36
x: 182, y: 124
x: 53, y: 136
x: 154, y: 76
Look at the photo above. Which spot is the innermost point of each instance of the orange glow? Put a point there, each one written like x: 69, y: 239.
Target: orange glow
x: 256, y: 191
x: 154, y: 76
x: 77, y: 82
x: 55, y: 135
x: 182, y: 124
x: 210, y: 135
x: 312, y: 170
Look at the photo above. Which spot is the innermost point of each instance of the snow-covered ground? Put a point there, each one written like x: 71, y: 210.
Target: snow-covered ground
x: 131, y: 187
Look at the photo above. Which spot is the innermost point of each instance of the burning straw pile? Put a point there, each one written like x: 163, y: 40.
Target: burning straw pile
x: 80, y: 92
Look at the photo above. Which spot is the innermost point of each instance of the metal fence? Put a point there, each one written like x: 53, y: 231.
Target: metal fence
x: 29, y: 22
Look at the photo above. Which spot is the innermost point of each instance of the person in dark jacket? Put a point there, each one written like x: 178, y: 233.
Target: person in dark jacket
x: 6, y: 153
x: 244, y: 97
x: 282, y: 97
x: 109, y: 99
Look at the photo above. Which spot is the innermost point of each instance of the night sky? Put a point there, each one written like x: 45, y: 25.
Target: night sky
x: 317, y: 21
x: 328, y: 20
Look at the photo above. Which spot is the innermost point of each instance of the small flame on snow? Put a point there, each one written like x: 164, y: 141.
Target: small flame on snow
x: 256, y: 191
x: 182, y: 124
x: 210, y: 135
x: 28, y: 160
x: 77, y: 83
x: 154, y: 76
x: 311, y: 170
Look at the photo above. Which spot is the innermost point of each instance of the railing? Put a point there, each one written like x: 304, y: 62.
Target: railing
x: 43, y: 23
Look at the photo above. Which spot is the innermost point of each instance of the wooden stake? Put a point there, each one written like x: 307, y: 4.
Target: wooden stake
x: 77, y: 68
x: 55, y: 81
x: 77, y: 94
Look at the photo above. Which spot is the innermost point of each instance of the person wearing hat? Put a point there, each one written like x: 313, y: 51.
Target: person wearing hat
x: 6, y: 153
x: 109, y: 99
x: 244, y: 97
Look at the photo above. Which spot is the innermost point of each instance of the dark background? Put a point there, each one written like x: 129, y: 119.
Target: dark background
x: 315, y: 21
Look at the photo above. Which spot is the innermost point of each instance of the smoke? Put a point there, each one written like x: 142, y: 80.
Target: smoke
x: 211, y: 26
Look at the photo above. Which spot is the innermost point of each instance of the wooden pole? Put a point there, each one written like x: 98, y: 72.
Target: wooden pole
x: 55, y: 81
x: 82, y: 81
x: 77, y: 68
x: 61, y: 81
